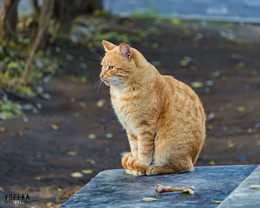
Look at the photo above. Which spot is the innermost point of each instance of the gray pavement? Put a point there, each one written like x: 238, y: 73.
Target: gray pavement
x: 218, y: 10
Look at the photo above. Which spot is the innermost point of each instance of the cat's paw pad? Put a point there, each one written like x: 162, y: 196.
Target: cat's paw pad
x: 152, y: 170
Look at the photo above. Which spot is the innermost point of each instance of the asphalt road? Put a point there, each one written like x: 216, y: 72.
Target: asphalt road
x: 221, y: 10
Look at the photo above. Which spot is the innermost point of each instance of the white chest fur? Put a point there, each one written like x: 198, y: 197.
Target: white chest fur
x: 123, y: 108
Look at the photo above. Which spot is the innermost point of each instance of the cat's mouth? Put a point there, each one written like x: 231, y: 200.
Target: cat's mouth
x: 106, y: 82
x: 114, y: 82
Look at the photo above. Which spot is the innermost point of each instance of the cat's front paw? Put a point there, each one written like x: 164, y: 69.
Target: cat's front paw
x: 136, y: 167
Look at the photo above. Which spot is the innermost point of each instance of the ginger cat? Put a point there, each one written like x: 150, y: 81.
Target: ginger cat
x: 163, y: 117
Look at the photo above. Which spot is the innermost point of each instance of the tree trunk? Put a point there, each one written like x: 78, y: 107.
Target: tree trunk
x: 8, y: 19
x: 64, y: 12
x: 36, y: 9
x: 45, y: 15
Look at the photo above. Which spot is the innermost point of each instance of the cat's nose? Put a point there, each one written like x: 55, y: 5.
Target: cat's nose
x: 101, y: 76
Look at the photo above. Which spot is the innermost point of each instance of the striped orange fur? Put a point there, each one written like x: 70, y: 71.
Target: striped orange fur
x: 163, y: 117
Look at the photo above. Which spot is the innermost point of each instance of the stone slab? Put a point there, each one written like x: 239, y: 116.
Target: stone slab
x: 113, y: 188
x: 243, y: 196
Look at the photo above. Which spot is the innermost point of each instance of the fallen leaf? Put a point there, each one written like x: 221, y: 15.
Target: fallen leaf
x: 49, y: 204
x: 72, y: 153
x: 38, y: 178
x: 123, y: 153
x: 55, y: 127
x: 82, y: 104
x: 185, y: 61
x: 149, y: 199
x: 76, y: 175
x: 69, y: 57
x: 189, y: 191
x: 109, y: 135
x: 92, y: 136
x: 101, y: 103
x: 217, y: 202
x: 1, y: 189
x: 241, y: 109
x: 2, y: 129
x: 175, y: 21
x: 255, y: 186
x: 210, y: 127
x: 197, y: 84
x: 231, y: 144
x: 87, y: 171
x: 212, y: 162
x: 90, y: 161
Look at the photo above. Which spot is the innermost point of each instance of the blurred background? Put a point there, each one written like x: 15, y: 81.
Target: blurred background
x: 58, y: 130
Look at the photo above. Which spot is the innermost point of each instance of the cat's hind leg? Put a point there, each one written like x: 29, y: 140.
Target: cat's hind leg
x: 174, y: 166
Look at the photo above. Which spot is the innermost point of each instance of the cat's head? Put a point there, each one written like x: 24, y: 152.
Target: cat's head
x: 119, y: 67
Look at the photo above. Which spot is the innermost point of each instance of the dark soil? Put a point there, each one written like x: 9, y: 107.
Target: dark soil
x: 35, y: 158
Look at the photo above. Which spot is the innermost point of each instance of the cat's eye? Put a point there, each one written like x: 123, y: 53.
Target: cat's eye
x: 110, y: 67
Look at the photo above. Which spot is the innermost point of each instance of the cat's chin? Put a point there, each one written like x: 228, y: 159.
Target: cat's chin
x: 106, y: 83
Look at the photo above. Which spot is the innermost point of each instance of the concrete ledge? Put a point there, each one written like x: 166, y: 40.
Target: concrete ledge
x: 113, y: 188
x: 243, y: 196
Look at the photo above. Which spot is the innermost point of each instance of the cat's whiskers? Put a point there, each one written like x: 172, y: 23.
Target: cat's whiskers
x: 98, y: 56
x: 99, y: 84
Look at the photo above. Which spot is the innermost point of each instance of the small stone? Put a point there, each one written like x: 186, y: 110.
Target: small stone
x: 211, y: 116
x: 92, y: 136
x: 209, y: 83
x: 229, y: 105
x: 215, y: 74
x: 224, y: 128
x: 39, y: 106
x: 109, y: 135
x: 207, y: 90
x: 241, y: 158
x: 101, y: 103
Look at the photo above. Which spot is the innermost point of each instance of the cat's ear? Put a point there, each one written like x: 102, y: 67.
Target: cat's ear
x: 125, y: 51
x: 107, y: 45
